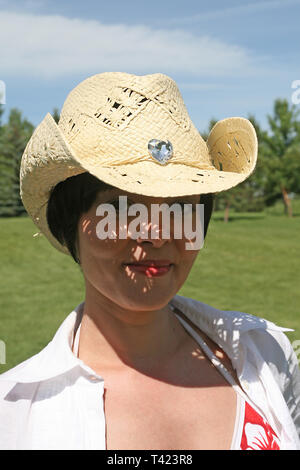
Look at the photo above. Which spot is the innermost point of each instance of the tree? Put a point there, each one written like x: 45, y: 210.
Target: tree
x: 248, y: 195
x: 56, y: 115
x: 211, y: 124
x: 1, y: 113
x: 14, y: 136
x: 282, y: 149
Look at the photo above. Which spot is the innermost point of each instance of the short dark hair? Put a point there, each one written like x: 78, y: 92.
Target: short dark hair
x: 74, y: 196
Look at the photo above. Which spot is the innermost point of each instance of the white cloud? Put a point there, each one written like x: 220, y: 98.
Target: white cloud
x: 55, y: 46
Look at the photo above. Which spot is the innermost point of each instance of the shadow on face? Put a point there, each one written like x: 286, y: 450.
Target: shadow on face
x: 109, y: 263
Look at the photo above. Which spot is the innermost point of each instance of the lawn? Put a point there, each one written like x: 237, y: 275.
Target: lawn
x: 250, y: 264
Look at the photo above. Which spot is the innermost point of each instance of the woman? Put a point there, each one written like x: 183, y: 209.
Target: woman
x: 136, y: 366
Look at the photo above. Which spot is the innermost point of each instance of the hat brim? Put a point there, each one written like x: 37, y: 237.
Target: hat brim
x: 230, y: 141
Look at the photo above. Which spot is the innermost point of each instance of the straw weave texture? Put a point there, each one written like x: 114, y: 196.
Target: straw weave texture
x: 105, y: 126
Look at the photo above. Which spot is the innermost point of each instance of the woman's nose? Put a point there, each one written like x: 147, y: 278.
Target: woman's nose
x: 153, y: 234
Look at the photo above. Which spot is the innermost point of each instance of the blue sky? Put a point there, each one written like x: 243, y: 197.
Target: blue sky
x: 229, y: 58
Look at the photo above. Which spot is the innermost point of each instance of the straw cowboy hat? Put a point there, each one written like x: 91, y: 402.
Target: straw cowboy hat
x: 134, y: 133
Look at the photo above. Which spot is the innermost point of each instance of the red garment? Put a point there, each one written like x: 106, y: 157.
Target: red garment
x: 257, y: 433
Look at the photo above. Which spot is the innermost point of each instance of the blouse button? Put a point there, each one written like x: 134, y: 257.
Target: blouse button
x: 245, y: 384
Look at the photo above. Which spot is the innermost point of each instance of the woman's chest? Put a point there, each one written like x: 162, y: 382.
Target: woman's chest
x: 149, y: 414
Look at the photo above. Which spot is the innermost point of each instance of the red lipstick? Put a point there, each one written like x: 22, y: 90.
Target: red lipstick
x: 151, y: 268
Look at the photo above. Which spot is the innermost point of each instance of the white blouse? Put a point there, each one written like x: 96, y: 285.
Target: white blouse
x: 55, y: 401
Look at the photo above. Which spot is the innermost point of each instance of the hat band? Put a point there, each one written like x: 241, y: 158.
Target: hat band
x: 176, y: 158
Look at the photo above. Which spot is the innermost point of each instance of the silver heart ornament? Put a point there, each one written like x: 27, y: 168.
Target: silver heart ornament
x: 160, y: 150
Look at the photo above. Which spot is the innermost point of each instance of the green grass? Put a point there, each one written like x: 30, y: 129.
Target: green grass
x: 250, y: 264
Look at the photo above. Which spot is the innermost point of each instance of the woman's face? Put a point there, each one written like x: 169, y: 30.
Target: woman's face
x: 115, y: 268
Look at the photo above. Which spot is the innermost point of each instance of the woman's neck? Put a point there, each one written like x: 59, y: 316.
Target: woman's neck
x: 112, y: 337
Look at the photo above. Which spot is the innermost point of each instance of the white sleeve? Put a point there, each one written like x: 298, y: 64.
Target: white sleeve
x: 284, y: 364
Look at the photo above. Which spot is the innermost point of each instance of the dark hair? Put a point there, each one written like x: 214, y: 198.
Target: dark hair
x: 73, y: 197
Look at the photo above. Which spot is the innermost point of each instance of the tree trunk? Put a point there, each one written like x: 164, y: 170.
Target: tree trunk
x: 226, y: 214
x: 287, y: 201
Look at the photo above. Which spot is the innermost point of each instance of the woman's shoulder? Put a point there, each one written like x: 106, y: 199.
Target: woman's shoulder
x: 237, y: 331
x: 53, y: 360
x: 221, y: 320
x: 259, y: 350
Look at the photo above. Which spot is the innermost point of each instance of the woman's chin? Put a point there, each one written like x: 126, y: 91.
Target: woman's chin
x: 147, y: 301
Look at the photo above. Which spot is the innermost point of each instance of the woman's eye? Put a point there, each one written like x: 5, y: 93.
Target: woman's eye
x: 116, y: 204
x: 189, y: 207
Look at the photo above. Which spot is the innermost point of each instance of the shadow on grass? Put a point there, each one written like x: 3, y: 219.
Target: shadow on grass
x: 276, y: 214
x: 220, y: 218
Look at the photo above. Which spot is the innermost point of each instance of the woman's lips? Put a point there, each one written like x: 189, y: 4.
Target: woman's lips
x: 151, y: 269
